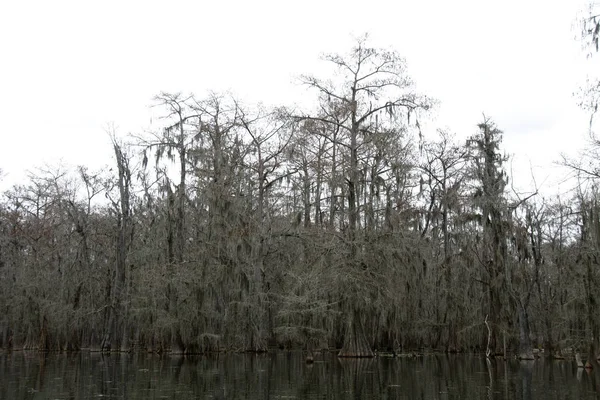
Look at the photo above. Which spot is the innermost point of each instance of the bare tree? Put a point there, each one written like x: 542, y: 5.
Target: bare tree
x: 373, y: 85
x: 444, y: 174
x: 116, y: 333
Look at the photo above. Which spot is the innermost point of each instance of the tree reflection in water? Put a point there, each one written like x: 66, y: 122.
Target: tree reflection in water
x: 282, y: 375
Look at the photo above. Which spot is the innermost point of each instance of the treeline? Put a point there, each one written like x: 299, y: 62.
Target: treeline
x: 237, y: 227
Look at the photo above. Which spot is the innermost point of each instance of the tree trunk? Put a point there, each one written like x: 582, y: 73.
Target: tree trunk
x: 355, y: 340
x: 593, y: 328
x: 525, y: 349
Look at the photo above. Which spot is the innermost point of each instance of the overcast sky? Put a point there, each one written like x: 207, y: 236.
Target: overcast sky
x: 69, y: 68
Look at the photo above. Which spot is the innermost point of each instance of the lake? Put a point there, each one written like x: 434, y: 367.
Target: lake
x: 285, y: 375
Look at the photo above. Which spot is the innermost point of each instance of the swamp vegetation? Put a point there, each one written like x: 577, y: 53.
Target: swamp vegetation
x: 240, y: 227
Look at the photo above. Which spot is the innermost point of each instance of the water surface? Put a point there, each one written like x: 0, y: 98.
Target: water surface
x: 285, y: 375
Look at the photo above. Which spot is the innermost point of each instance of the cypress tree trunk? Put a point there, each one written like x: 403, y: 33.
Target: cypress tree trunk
x: 525, y: 349
x: 355, y: 340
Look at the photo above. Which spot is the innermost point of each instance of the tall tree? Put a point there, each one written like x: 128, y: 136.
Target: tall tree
x: 174, y: 142
x: 443, y: 169
x: 490, y: 181
x: 269, y: 138
x: 373, y: 85
x: 117, y: 330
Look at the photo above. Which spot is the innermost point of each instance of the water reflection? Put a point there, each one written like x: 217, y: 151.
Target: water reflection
x: 285, y: 375
x: 526, y: 372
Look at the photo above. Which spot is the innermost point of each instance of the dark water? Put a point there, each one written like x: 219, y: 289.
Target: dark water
x: 286, y: 376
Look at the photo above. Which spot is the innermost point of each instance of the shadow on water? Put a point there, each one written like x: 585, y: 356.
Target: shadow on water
x: 286, y: 375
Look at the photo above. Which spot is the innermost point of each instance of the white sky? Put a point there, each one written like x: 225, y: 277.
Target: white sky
x: 69, y: 68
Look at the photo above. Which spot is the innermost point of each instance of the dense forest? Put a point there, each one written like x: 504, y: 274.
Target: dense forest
x: 243, y: 228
